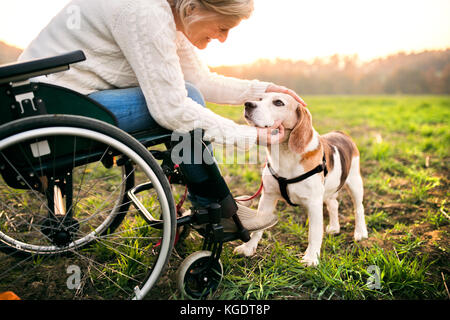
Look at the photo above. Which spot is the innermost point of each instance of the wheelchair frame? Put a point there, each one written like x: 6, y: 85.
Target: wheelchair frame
x: 26, y: 105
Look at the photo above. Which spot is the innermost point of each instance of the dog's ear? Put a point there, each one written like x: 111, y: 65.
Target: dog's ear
x: 302, y: 133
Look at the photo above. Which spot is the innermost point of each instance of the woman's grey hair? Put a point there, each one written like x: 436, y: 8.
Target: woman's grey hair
x: 187, y: 9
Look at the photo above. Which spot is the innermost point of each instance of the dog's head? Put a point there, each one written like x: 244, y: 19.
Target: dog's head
x: 293, y: 116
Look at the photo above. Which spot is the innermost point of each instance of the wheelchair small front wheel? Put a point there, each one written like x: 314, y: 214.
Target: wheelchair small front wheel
x: 199, y: 275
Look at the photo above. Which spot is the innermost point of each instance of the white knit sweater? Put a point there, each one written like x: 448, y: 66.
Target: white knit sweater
x: 135, y: 43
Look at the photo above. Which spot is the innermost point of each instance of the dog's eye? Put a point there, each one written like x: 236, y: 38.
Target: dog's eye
x: 260, y: 99
x: 278, y: 103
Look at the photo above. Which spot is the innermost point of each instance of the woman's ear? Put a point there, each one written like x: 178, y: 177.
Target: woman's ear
x: 190, y: 9
x: 302, y: 133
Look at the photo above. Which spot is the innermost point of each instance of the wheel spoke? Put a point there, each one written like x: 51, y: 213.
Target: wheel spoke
x: 116, y: 252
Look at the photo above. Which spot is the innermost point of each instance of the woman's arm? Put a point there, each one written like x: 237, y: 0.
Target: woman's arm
x: 221, y: 89
x: 216, y: 88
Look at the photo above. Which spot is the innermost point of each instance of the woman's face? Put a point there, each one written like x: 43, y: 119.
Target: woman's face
x: 202, y: 31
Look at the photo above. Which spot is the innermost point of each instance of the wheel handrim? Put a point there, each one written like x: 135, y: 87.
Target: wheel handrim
x: 144, y: 285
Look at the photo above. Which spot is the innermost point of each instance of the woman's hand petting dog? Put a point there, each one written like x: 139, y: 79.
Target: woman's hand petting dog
x: 270, y: 135
x: 281, y: 89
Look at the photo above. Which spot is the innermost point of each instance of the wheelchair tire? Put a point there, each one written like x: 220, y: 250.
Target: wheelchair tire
x: 117, y: 253
x: 198, y: 277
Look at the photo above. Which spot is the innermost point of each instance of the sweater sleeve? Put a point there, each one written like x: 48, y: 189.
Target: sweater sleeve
x: 146, y: 34
x: 216, y: 88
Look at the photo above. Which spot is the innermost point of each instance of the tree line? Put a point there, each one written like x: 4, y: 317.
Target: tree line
x: 426, y: 72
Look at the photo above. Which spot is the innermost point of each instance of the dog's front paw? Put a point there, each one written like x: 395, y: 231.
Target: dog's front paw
x: 310, y: 260
x: 245, y: 250
x: 333, y: 229
x: 361, y: 234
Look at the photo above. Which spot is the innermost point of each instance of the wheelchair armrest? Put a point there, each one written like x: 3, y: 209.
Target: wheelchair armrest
x: 19, y: 71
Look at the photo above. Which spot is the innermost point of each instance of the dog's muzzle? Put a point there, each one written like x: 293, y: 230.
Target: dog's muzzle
x: 249, y: 108
x: 250, y: 105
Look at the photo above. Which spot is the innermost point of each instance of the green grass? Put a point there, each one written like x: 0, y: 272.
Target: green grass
x: 404, y: 143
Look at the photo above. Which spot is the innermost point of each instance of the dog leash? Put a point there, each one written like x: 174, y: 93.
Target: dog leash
x: 253, y: 196
x: 261, y: 186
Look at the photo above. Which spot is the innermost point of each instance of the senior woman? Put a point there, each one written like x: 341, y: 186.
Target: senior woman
x: 142, y: 66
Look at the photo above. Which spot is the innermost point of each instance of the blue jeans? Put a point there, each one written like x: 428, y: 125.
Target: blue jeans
x: 130, y: 108
x: 205, y: 183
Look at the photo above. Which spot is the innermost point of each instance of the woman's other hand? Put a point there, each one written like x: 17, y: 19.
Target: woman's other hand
x: 281, y: 89
x: 272, y: 135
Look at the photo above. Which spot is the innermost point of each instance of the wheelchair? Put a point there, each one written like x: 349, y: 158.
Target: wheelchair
x: 88, y: 211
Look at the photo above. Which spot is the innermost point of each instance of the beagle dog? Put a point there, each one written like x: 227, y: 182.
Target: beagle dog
x: 305, y: 168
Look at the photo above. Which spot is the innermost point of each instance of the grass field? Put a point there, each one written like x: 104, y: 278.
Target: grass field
x: 404, y: 143
x: 405, y: 153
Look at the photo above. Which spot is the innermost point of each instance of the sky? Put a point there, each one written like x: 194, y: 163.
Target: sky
x: 288, y: 29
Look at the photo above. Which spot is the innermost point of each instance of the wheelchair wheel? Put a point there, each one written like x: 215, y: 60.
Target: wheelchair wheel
x: 198, y: 276
x: 63, y: 211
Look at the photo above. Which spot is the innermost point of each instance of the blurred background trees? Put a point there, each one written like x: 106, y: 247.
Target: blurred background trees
x: 426, y: 72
